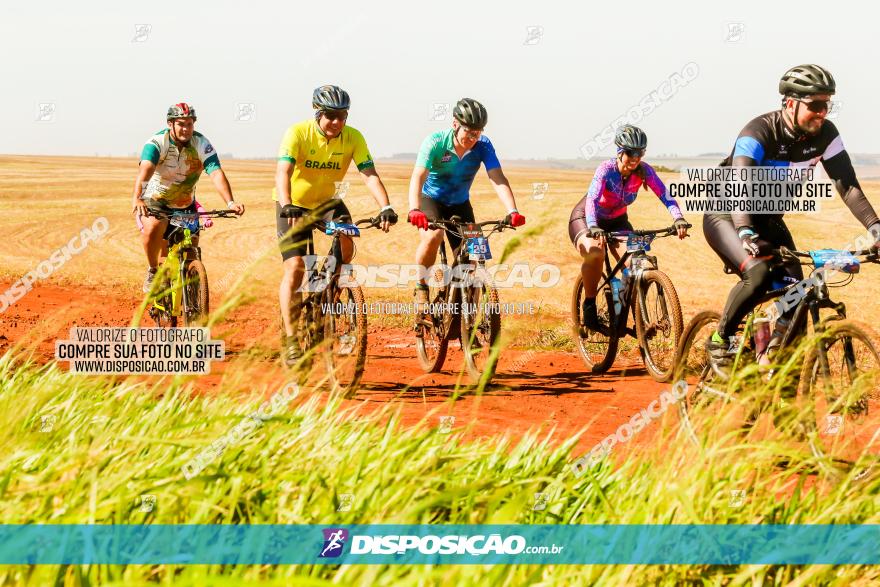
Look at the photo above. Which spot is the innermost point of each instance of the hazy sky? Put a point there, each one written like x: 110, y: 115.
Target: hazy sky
x: 548, y: 90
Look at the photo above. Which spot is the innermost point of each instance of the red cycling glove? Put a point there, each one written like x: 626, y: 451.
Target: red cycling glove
x: 418, y: 219
x: 515, y: 219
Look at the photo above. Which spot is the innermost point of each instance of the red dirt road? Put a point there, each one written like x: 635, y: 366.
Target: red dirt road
x: 549, y: 389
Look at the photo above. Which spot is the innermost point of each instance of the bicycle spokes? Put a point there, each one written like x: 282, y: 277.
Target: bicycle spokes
x: 480, y: 326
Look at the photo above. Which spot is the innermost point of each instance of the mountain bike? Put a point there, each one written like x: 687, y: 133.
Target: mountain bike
x: 180, y: 287
x: 826, y: 387
x: 333, y: 314
x: 639, y: 289
x: 462, y: 304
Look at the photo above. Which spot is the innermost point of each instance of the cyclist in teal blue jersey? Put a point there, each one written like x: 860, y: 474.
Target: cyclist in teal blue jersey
x: 440, y: 186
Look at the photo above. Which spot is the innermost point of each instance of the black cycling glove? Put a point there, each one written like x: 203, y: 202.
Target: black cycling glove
x: 388, y: 214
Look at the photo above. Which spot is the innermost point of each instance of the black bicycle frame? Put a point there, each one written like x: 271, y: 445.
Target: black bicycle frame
x: 626, y: 305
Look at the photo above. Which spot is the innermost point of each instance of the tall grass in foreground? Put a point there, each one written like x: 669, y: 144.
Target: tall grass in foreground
x: 113, y: 440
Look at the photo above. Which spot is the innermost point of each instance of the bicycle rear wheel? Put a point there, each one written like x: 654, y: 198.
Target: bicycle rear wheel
x: 658, y: 323
x: 345, y: 334
x: 195, y: 293
x: 480, y: 327
x: 597, y: 348
x: 839, y: 399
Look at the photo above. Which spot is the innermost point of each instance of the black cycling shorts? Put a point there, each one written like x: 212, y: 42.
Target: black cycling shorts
x: 294, y: 241
x: 577, y: 224
x: 435, y: 210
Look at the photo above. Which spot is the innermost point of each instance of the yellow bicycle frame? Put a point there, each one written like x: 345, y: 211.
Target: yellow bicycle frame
x: 173, y: 267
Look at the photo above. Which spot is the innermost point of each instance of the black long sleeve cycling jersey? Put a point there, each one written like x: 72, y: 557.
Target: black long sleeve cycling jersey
x: 768, y: 141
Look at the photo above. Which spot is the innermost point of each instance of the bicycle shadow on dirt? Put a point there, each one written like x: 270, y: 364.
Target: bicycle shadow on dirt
x: 572, y: 382
x: 507, y: 385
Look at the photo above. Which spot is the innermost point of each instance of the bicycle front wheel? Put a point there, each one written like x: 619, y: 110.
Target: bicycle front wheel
x: 480, y: 327
x: 195, y: 293
x: 839, y: 394
x: 345, y: 333
x: 598, y: 348
x: 658, y: 323
x: 160, y: 308
x: 707, y: 398
x: 431, y: 340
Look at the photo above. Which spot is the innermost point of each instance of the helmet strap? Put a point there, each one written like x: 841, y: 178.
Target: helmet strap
x: 173, y: 134
x: 795, y: 127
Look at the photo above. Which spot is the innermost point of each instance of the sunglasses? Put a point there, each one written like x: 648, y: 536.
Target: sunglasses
x: 817, y: 106
x: 634, y: 153
x: 471, y: 134
x: 335, y: 114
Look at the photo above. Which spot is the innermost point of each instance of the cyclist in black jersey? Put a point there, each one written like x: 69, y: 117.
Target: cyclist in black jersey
x: 799, y: 136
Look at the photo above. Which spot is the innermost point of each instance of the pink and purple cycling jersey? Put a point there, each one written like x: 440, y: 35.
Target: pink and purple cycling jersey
x: 608, y: 196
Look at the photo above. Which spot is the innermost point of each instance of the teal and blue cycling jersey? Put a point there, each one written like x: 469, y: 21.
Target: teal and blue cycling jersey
x: 450, y: 178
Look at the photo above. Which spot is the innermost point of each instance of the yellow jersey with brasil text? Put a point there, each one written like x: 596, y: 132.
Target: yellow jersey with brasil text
x: 318, y: 162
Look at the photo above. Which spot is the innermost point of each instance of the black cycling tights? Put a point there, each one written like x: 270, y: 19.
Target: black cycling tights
x: 743, y: 297
x: 755, y: 273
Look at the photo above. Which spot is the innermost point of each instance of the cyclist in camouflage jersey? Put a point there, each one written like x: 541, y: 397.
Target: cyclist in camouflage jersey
x: 172, y: 161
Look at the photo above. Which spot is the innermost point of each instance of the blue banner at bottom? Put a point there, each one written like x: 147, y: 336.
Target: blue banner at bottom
x: 440, y: 544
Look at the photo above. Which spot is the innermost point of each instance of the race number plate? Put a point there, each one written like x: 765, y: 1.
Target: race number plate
x: 190, y: 221
x: 342, y: 228
x: 639, y: 242
x: 471, y: 231
x: 478, y: 249
x: 842, y: 261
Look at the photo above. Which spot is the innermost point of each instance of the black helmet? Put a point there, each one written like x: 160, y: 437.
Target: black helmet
x: 330, y: 98
x: 181, y: 110
x: 630, y: 137
x: 471, y: 113
x: 804, y: 80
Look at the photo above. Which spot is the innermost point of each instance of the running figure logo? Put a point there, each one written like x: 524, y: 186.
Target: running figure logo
x: 334, y: 541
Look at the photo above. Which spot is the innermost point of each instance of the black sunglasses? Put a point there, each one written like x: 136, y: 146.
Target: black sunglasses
x: 634, y: 152
x: 336, y: 114
x: 817, y: 106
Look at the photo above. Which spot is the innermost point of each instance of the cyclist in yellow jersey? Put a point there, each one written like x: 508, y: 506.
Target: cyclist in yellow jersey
x: 314, y: 155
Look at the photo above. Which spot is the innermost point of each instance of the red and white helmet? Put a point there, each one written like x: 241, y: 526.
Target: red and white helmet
x: 181, y: 110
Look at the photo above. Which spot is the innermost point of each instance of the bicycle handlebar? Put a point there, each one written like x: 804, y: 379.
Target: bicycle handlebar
x: 871, y: 255
x: 376, y: 222
x: 455, y: 224
x: 206, y: 213
x: 668, y: 231
x: 369, y: 222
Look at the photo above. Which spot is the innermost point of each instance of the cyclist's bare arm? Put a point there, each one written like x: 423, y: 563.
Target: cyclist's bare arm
x: 221, y: 182
x: 502, y: 188
x: 419, y: 176
x: 145, y: 172
x: 377, y: 189
x: 283, y: 173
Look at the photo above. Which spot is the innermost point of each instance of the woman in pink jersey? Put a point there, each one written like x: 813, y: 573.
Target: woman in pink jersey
x: 615, y: 186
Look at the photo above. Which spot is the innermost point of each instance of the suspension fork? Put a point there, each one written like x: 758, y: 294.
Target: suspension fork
x: 174, y: 263
x: 812, y: 305
x: 638, y: 285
